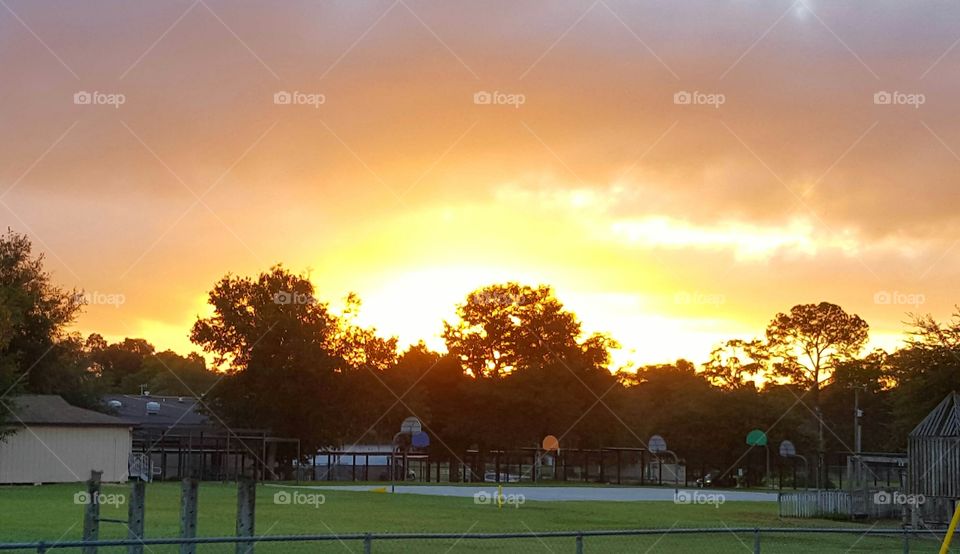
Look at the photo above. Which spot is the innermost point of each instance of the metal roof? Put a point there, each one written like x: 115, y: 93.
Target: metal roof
x: 943, y: 421
x: 174, y: 411
x: 50, y: 409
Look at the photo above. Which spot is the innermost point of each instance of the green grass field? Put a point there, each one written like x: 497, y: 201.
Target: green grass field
x: 49, y: 513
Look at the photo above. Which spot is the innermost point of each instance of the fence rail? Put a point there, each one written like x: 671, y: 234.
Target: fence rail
x: 831, y: 503
x: 369, y: 539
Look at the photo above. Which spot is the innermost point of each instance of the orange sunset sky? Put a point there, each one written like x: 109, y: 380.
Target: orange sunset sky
x: 818, y: 159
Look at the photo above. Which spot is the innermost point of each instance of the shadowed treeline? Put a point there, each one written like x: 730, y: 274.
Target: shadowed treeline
x: 518, y: 366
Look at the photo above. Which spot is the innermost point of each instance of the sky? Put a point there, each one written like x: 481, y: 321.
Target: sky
x: 679, y: 172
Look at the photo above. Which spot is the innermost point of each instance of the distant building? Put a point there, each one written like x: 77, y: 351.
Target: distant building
x: 55, y: 442
x: 173, y: 438
x: 363, y: 462
x: 169, y: 412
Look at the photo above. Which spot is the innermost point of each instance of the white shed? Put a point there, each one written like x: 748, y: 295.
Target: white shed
x: 55, y: 442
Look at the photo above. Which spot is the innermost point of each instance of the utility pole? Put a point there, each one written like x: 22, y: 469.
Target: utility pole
x: 823, y: 470
x: 857, y: 414
x: 857, y: 436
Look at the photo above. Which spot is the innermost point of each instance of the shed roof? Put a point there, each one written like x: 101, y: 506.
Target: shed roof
x: 176, y: 411
x: 51, y: 409
x: 943, y: 421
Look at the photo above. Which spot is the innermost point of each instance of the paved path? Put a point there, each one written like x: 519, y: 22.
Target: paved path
x: 613, y: 494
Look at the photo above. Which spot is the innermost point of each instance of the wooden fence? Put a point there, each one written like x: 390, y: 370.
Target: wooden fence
x: 836, y: 504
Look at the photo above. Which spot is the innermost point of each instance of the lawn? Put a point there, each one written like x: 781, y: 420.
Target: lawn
x: 49, y: 513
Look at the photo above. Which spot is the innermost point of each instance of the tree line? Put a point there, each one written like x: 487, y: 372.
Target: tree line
x: 518, y: 366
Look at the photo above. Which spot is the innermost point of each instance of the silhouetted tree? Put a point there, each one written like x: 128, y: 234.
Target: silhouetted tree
x: 806, y: 345
x: 37, y: 353
x: 278, y: 346
x: 736, y: 363
x: 925, y: 370
x: 503, y: 328
x: 115, y: 362
x: 170, y: 374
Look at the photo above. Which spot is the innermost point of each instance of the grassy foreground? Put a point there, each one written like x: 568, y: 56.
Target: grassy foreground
x: 49, y: 513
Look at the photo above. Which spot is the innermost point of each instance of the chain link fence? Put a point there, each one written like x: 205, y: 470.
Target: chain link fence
x: 712, y: 540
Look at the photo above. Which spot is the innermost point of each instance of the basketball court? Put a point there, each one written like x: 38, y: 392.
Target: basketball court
x: 610, y: 494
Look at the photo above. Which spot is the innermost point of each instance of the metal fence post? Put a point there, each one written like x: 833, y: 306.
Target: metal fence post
x: 906, y: 541
x: 188, y: 514
x: 368, y: 544
x: 91, y: 513
x: 756, y: 541
x: 246, y: 513
x: 579, y: 543
x: 135, y: 516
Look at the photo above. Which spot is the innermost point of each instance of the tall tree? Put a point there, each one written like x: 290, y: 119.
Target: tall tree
x: 37, y: 353
x: 273, y: 339
x: 288, y: 358
x: 925, y: 370
x: 505, y: 327
x: 168, y: 373
x: 361, y: 347
x: 736, y: 363
x: 114, y: 363
x: 807, y: 344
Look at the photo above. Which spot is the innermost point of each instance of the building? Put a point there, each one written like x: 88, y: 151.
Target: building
x: 54, y: 442
x: 174, y: 438
x: 363, y: 462
x: 933, y: 451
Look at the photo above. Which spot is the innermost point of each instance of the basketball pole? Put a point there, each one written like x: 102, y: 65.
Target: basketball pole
x: 945, y: 547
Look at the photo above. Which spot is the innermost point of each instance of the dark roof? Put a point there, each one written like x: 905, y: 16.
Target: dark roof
x: 50, y: 409
x: 943, y: 421
x: 174, y: 410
